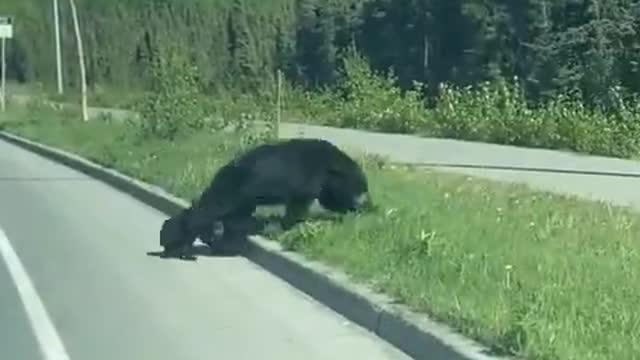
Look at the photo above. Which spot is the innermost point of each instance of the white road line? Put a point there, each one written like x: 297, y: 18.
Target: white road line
x: 51, y: 345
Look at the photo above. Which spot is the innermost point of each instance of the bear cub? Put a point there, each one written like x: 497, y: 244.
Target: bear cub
x: 293, y: 172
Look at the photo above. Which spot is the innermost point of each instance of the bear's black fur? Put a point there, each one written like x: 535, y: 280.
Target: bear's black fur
x: 292, y: 172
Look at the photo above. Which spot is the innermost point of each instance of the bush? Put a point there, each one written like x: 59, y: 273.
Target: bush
x: 367, y: 100
x: 494, y: 112
x: 177, y: 106
x: 499, y: 113
x: 174, y: 105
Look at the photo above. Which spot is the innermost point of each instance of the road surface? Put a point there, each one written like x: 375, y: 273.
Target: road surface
x: 96, y: 294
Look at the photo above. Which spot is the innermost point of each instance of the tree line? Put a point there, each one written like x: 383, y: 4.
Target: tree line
x: 584, y: 46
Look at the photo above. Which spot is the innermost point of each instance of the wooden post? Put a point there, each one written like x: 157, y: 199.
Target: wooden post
x: 279, y: 105
x: 3, y: 91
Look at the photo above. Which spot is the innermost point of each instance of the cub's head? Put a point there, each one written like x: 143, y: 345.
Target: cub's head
x: 173, y: 232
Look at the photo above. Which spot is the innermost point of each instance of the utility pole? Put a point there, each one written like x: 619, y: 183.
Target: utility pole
x: 83, y: 76
x: 56, y: 21
x: 3, y: 86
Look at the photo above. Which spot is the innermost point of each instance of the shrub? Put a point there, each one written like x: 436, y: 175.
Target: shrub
x: 493, y: 112
x: 498, y: 113
x: 174, y: 104
x: 372, y: 101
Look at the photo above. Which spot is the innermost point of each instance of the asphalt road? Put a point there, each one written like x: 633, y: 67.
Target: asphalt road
x: 81, y: 285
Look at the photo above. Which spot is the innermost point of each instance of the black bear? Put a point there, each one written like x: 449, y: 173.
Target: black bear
x: 293, y: 172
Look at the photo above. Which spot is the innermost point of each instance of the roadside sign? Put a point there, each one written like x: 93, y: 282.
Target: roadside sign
x: 6, y: 32
x: 6, y: 27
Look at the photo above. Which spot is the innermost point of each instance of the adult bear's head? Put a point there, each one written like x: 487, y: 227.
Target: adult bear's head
x: 346, y: 187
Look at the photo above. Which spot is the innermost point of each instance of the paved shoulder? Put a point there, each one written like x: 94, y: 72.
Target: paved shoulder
x: 84, y: 246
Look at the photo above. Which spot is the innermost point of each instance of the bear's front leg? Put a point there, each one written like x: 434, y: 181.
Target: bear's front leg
x: 296, y: 211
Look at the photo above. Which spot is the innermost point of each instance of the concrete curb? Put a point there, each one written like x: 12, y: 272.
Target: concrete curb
x: 415, y: 334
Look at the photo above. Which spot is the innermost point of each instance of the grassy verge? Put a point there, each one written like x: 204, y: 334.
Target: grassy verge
x: 543, y: 276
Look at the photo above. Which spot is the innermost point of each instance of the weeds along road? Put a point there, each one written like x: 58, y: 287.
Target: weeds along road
x: 76, y: 283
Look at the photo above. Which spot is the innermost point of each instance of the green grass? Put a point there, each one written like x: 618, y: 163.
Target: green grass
x: 545, y: 276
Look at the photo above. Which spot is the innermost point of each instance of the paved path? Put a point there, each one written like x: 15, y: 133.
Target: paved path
x: 82, y: 246
x: 591, y: 177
